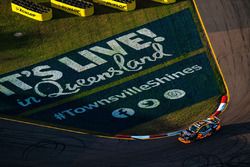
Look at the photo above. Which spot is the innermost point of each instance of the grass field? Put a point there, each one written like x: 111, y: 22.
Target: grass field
x: 44, y: 40
x: 66, y: 32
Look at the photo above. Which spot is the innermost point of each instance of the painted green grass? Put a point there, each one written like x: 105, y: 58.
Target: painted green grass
x: 115, y: 83
x: 65, y: 32
x: 176, y: 120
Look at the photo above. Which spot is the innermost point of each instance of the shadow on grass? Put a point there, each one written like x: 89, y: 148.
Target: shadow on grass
x: 8, y: 41
x: 142, y: 4
x: 101, y: 10
x: 58, y: 14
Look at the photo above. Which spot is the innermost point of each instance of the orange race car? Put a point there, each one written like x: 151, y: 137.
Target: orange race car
x: 200, y: 129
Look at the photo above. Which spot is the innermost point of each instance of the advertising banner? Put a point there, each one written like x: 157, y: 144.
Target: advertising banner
x: 118, y: 83
x: 140, y: 100
x: 99, y: 65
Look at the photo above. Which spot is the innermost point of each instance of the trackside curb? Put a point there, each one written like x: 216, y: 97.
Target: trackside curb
x: 220, y: 109
x: 222, y: 106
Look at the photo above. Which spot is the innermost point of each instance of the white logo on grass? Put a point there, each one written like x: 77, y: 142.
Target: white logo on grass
x: 123, y: 113
x: 149, y: 103
x: 174, y: 94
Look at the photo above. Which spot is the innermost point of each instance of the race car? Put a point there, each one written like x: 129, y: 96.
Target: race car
x: 200, y: 129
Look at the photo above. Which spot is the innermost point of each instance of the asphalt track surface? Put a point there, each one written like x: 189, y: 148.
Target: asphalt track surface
x: 228, y: 25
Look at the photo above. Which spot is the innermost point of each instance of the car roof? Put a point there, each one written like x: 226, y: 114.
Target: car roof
x: 199, y: 124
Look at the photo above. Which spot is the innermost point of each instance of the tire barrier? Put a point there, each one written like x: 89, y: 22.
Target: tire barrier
x: 165, y: 1
x: 124, y: 5
x: 31, y: 10
x: 77, y: 7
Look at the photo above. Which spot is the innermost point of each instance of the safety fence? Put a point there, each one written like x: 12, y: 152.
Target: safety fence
x: 77, y: 7
x: 31, y: 10
x: 124, y: 5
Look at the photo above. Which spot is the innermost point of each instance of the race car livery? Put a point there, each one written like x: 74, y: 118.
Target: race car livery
x: 200, y: 129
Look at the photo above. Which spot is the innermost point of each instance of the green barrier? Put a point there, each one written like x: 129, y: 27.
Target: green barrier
x: 77, y: 7
x: 124, y: 5
x: 31, y: 10
x: 165, y: 1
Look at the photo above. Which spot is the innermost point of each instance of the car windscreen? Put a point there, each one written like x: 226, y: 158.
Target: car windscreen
x: 193, y: 128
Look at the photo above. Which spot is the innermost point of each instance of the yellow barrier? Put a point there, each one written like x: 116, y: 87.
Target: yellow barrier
x: 165, y: 1
x: 80, y: 8
x: 31, y: 10
x: 124, y: 5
